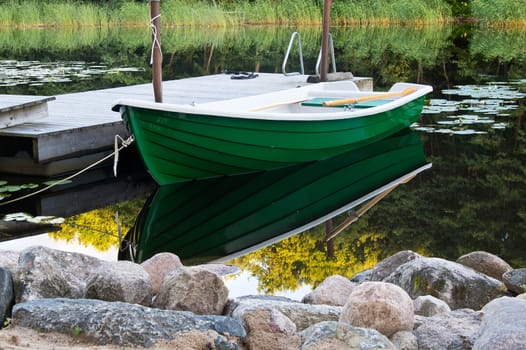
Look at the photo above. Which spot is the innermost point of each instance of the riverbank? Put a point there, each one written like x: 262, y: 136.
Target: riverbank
x: 29, y: 14
x: 70, y: 300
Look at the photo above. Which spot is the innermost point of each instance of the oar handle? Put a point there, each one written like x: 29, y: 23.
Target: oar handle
x: 353, y: 100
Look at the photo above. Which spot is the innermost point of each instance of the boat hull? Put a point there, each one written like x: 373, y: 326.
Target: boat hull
x: 179, y: 146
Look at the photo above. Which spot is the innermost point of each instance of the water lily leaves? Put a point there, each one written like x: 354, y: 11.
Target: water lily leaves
x: 33, y: 219
x: 475, y: 105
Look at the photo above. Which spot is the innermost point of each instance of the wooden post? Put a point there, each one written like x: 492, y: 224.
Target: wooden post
x: 157, y: 58
x: 326, y: 24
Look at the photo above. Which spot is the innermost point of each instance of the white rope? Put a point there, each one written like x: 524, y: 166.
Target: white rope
x: 155, y: 34
x: 125, y: 143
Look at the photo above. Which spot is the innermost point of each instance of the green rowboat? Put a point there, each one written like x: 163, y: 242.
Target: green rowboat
x: 218, y: 218
x: 269, y: 131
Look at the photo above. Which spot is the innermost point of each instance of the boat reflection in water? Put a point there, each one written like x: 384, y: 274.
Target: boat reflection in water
x: 220, y: 218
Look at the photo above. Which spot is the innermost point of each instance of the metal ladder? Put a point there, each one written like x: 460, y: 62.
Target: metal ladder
x: 302, y: 68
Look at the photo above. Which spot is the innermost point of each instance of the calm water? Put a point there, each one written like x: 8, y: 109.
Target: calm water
x: 472, y: 131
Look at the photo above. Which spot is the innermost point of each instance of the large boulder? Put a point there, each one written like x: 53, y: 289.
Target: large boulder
x: 381, y: 306
x: 9, y: 260
x: 456, y: 284
x: 123, y: 324
x: 428, y: 305
x: 515, y: 280
x: 485, y: 263
x: 267, y: 328
x: 385, y: 267
x: 331, y: 335
x: 7, y: 296
x: 301, y: 314
x: 47, y: 273
x: 334, y: 290
x: 192, y: 289
x: 120, y: 281
x: 455, y: 330
x: 503, y: 325
x: 158, y: 266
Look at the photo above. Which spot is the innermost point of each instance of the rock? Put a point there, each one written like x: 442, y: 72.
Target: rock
x: 158, y: 266
x: 7, y: 296
x: 302, y: 315
x: 522, y: 296
x: 385, y: 267
x: 221, y: 269
x: 515, y: 280
x: 120, y: 281
x: 47, y: 273
x: 455, y: 330
x: 9, y: 260
x: 267, y: 328
x: 331, y: 335
x: 427, y: 305
x: 381, y: 306
x: 503, y: 325
x: 405, y: 340
x: 456, y: 284
x: 118, y: 323
x: 485, y: 263
x: 192, y: 289
x: 334, y: 290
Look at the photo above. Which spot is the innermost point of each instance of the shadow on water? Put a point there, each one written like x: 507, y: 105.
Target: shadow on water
x: 472, y: 198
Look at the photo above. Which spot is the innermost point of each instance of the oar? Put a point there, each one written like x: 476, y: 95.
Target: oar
x: 353, y: 100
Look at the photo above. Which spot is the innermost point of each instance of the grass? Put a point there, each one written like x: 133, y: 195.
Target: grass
x: 72, y: 13
x: 499, y: 12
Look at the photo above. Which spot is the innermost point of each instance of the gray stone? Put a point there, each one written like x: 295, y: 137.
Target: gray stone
x: 503, y: 325
x: 334, y: 290
x: 385, y: 267
x: 404, y: 340
x: 267, y: 328
x: 158, y: 266
x: 427, y: 305
x: 120, y: 281
x: 302, y: 315
x: 455, y: 330
x: 47, y: 273
x: 9, y: 260
x: 192, y: 289
x: 456, y: 284
x: 119, y: 323
x: 485, y: 263
x: 7, y: 296
x: 331, y: 335
x: 381, y: 306
x: 515, y: 280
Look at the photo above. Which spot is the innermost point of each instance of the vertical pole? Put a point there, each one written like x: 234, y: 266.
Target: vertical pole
x: 324, y: 63
x: 157, y: 58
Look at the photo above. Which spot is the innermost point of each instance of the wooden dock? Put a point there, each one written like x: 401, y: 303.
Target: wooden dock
x: 80, y: 128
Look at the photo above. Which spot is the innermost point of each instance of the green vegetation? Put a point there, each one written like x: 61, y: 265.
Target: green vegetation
x: 500, y: 12
x: 82, y: 13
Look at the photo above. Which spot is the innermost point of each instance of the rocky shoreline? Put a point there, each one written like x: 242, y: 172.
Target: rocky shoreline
x: 406, y: 302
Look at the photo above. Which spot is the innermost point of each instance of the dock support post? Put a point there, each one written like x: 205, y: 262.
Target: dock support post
x: 324, y: 63
x: 157, y: 58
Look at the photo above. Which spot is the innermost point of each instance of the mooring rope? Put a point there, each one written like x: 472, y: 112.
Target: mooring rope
x: 124, y: 144
x: 155, y: 34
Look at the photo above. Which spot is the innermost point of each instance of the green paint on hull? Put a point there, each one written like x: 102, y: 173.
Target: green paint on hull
x: 179, y: 147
